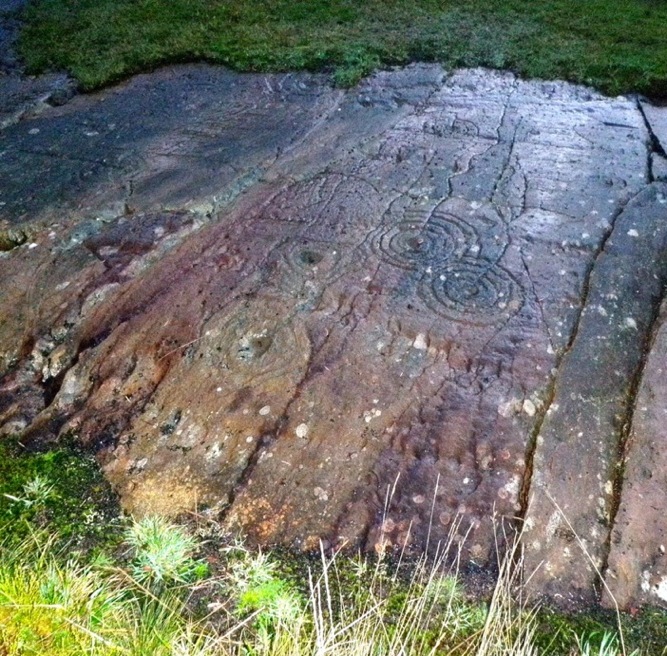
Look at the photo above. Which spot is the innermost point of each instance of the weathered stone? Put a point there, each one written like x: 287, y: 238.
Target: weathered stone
x: 656, y: 117
x: 346, y: 316
x: 637, y: 562
x: 11, y: 238
x: 659, y: 167
x: 577, y: 460
x: 22, y: 97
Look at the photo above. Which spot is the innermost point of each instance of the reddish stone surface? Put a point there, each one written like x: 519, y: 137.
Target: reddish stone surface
x: 637, y: 571
x: 378, y: 317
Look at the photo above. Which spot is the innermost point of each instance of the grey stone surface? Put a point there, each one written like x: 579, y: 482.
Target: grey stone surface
x: 656, y: 118
x: 22, y: 97
x: 277, y: 300
x: 659, y: 167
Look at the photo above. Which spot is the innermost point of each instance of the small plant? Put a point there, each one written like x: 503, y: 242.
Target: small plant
x: 261, y: 591
x: 36, y: 492
x: 162, y: 553
x: 607, y: 645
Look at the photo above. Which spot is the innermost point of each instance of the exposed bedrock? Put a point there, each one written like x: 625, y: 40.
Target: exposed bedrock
x: 578, y: 465
x: 637, y: 564
x: 417, y: 309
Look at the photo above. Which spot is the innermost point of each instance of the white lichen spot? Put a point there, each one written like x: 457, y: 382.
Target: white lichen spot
x: 369, y: 415
x: 609, y: 488
x: 631, y: 323
x: 508, y: 409
x: 646, y: 581
x: 302, y: 430
x: 320, y: 494
x: 418, y: 499
x: 420, y: 342
x: 552, y: 525
x: 660, y: 590
x: 265, y: 410
x: 249, y: 439
x: 602, y: 311
x: 529, y: 408
x: 633, y: 233
x: 214, y: 452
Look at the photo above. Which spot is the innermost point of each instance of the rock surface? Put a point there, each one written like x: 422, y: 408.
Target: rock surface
x: 22, y: 96
x: 637, y: 562
x: 380, y: 317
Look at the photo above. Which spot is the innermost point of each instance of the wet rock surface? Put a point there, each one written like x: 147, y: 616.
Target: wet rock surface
x: 420, y: 308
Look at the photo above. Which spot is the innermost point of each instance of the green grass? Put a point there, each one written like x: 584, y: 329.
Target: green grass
x: 62, y: 489
x: 141, y: 602
x: 615, y: 45
x: 76, y: 577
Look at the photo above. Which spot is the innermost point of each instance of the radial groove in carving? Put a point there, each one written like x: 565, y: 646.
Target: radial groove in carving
x: 472, y: 290
x: 410, y: 244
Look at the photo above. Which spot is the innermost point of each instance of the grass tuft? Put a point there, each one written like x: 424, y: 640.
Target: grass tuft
x: 162, y: 553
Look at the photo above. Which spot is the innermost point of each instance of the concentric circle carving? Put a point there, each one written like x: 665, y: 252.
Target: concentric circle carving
x: 412, y: 244
x: 472, y: 290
